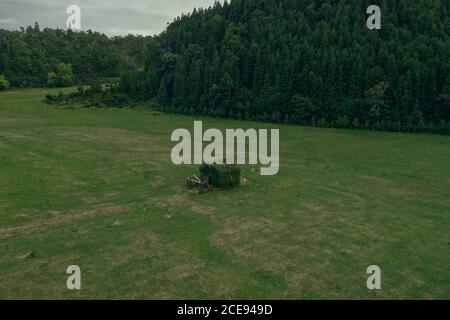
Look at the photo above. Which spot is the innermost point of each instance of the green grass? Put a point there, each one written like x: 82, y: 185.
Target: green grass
x: 96, y: 188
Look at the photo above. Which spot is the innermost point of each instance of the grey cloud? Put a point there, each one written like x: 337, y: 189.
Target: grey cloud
x: 113, y: 17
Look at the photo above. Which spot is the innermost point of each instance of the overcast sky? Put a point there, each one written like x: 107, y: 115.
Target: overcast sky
x: 113, y: 17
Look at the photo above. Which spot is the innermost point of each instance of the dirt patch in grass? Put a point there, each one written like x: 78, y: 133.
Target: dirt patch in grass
x: 106, y: 197
x: 203, y: 209
x: 60, y: 219
x: 255, y: 240
x: 183, y: 201
x: 123, y: 139
x: 182, y: 271
x: 14, y: 135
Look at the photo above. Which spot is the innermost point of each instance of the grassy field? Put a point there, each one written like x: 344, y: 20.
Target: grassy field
x: 96, y: 188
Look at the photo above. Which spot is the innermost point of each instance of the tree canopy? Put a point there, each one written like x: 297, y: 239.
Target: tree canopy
x: 29, y: 56
x: 304, y: 62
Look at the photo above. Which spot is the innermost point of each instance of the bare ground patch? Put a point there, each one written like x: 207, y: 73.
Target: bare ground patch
x: 60, y: 219
x: 255, y: 240
x: 124, y: 139
x: 179, y: 200
x: 182, y: 271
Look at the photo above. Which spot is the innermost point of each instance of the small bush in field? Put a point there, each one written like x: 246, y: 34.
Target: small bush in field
x: 4, y: 84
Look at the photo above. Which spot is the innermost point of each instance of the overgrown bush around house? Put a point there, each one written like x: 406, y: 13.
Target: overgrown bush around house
x: 221, y: 176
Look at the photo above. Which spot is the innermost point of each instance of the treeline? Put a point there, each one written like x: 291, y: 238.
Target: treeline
x: 33, y: 57
x: 305, y: 62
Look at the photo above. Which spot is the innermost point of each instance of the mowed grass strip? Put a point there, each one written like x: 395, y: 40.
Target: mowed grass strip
x: 96, y: 188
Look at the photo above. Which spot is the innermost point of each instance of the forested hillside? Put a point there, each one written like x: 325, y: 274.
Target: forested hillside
x: 33, y: 58
x: 306, y: 62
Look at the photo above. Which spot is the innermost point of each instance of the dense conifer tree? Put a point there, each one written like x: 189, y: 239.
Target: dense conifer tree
x: 308, y: 62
